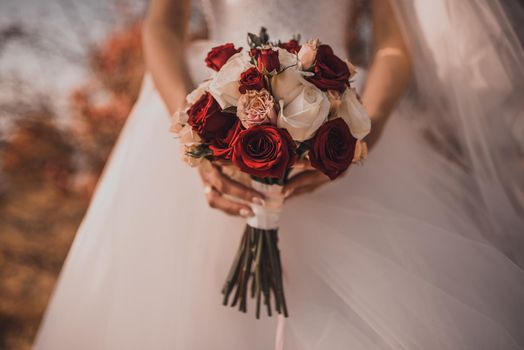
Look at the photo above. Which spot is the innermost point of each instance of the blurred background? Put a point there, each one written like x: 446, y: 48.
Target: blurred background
x: 70, y: 71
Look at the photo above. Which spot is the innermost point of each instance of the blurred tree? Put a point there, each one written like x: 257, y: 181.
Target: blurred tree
x: 102, y: 104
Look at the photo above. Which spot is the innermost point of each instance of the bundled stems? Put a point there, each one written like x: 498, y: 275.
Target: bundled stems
x: 257, y: 261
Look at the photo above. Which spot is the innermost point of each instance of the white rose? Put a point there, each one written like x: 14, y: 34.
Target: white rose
x: 353, y: 112
x: 286, y: 58
x: 224, y: 85
x: 305, y: 113
x: 287, y: 85
x: 198, y: 92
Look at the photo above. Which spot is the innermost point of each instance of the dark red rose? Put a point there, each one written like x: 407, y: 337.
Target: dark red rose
x: 331, y: 73
x: 208, y: 120
x: 222, y: 148
x: 251, y: 79
x: 292, y: 46
x: 267, y: 59
x: 333, y: 148
x: 219, y: 55
x: 264, y: 151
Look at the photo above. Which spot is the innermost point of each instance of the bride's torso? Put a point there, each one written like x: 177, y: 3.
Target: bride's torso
x: 230, y: 20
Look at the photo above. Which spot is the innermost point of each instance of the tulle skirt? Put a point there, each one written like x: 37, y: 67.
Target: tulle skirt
x: 387, y: 257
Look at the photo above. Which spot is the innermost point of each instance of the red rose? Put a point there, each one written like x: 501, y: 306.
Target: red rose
x: 219, y: 55
x: 331, y: 73
x: 267, y: 59
x: 251, y: 79
x: 332, y: 149
x: 222, y: 148
x: 264, y: 151
x: 208, y: 120
x: 292, y: 46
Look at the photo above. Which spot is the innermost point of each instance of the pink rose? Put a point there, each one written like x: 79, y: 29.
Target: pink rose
x: 256, y: 107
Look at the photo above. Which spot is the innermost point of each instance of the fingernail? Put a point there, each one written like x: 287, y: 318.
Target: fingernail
x: 245, y: 213
x: 259, y: 201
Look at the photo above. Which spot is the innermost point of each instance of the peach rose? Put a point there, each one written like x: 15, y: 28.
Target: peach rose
x: 308, y: 53
x: 256, y: 107
x: 361, y: 151
x: 352, y: 69
x: 335, y: 100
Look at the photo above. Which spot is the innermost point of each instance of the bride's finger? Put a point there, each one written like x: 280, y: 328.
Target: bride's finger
x: 223, y: 184
x: 236, y: 189
x: 302, y: 190
x: 217, y: 201
x: 305, y: 179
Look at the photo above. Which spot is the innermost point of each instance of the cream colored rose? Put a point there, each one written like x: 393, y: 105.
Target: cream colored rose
x: 308, y: 53
x: 256, y: 107
x: 190, y: 142
x: 287, y: 85
x: 353, y: 112
x: 286, y: 58
x: 188, y: 136
x: 178, y: 120
x: 305, y: 113
x: 224, y: 85
x: 201, y: 89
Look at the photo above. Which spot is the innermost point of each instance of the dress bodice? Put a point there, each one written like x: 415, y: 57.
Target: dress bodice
x: 230, y: 20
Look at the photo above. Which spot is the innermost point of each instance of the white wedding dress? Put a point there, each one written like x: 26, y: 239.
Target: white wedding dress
x: 414, y: 250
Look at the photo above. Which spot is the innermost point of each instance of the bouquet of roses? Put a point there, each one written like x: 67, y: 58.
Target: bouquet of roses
x: 264, y: 111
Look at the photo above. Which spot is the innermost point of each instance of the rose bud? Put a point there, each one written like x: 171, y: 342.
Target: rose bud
x: 251, y: 79
x: 292, y: 46
x: 335, y: 101
x: 361, y: 151
x: 256, y: 107
x: 264, y: 151
x: 308, y: 53
x: 222, y: 147
x: 333, y: 148
x: 185, y: 152
x: 267, y: 60
x: 331, y: 73
x: 352, y: 69
x: 219, y: 55
x: 208, y: 120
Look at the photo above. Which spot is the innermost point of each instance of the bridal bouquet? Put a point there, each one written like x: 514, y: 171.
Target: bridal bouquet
x: 264, y: 111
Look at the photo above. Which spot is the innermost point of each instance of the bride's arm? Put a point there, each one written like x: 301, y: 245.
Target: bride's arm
x: 164, y: 32
x: 165, y: 39
x: 389, y: 71
x: 386, y: 81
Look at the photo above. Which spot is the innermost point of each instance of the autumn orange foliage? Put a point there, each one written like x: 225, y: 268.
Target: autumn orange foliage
x: 102, y: 104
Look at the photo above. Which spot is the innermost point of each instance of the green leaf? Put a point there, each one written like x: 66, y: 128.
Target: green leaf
x: 264, y: 36
x: 253, y: 40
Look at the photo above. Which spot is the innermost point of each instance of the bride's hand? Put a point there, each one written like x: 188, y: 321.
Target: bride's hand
x: 305, y: 182
x: 220, y: 191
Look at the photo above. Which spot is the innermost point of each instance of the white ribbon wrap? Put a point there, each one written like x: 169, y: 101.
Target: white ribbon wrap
x: 267, y: 217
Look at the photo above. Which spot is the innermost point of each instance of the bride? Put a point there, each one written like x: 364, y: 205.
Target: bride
x: 421, y: 248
